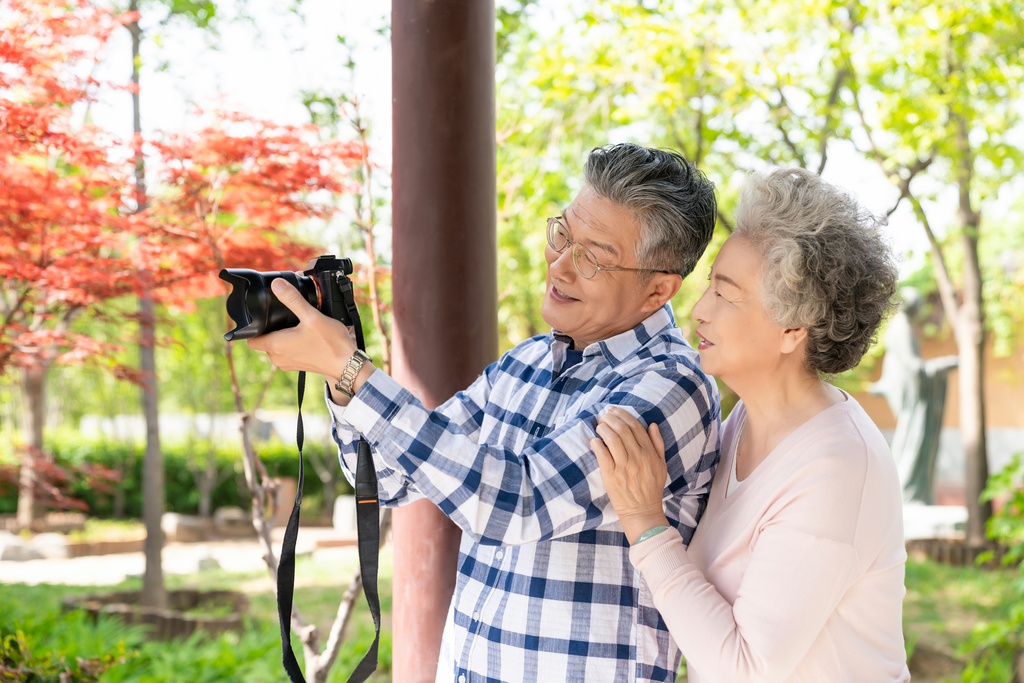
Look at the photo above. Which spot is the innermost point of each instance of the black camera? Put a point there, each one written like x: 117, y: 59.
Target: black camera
x: 255, y: 309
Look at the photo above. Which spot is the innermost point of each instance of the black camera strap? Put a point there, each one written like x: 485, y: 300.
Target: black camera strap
x: 368, y: 527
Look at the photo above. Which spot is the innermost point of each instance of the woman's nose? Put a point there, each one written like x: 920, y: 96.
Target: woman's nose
x: 699, y: 312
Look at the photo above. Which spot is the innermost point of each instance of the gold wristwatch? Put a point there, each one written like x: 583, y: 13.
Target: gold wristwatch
x: 348, y: 375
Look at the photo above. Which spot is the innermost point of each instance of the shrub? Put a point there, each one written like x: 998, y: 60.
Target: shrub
x: 39, y: 642
x: 994, y: 647
x: 77, y: 455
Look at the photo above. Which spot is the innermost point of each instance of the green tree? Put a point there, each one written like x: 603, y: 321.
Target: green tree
x: 930, y: 93
x: 936, y: 90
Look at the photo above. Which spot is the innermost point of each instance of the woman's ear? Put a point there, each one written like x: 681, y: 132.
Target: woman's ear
x: 793, y: 339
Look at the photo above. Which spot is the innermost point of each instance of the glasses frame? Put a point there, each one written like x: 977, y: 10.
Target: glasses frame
x: 580, y: 251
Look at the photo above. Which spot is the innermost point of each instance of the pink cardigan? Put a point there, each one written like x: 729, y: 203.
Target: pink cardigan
x: 798, y: 574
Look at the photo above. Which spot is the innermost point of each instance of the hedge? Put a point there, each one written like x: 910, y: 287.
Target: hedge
x: 182, y: 496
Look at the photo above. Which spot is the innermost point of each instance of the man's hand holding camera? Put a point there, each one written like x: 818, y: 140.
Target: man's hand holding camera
x: 317, y: 344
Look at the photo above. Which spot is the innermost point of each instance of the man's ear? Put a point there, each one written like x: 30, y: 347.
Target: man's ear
x: 660, y: 289
x: 793, y: 338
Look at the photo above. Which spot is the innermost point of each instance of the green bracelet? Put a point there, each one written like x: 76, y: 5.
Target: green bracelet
x: 654, y: 531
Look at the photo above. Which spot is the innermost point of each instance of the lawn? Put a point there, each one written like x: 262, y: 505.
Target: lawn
x: 943, y: 604
x: 53, y: 640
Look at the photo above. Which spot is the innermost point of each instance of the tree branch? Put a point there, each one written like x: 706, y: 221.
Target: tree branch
x: 345, y: 608
x: 902, y: 180
x: 947, y: 291
x: 366, y: 221
x: 781, y: 108
x: 729, y: 226
x: 829, y: 126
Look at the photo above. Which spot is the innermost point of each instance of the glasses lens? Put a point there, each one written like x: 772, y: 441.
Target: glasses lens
x: 584, y: 260
x: 557, y: 237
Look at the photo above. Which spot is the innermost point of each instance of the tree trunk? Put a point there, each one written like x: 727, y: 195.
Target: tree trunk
x: 970, y: 333
x: 153, y: 593
x: 206, y: 481
x: 971, y: 343
x: 33, y: 390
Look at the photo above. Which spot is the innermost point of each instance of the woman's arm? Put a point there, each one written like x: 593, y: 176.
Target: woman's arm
x: 633, y: 468
x: 792, y: 584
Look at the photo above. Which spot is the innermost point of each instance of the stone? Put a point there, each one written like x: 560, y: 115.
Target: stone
x: 17, y: 550
x: 179, y: 528
x: 207, y: 562
x: 52, y: 546
x: 232, y: 522
x: 344, y: 520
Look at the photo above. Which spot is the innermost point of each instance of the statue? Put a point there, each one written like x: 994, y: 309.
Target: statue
x: 915, y: 389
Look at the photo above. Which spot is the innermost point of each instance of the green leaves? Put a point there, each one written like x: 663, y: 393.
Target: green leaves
x: 40, y: 644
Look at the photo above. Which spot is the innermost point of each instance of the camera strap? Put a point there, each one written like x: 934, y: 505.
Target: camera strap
x: 368, y: 527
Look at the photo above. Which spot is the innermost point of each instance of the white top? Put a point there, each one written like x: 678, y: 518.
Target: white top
x: 798, y: 576
x: 733, y: 481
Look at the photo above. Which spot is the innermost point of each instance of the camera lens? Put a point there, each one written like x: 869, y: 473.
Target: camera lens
x: 253, y: 306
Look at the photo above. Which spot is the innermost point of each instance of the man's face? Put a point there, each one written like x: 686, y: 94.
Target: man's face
x: 612, y: 301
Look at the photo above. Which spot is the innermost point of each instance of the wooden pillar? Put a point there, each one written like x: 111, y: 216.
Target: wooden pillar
x: 445, y: 272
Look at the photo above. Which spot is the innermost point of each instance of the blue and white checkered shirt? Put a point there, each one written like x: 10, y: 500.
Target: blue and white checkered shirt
x: 545, y: 590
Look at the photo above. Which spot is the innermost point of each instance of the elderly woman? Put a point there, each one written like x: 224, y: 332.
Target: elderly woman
x: 795, y: 572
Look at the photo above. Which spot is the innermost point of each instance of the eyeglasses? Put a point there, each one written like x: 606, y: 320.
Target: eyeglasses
x: 583, y: 259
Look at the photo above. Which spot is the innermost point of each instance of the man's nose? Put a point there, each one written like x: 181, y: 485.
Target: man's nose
x: 560, y: 262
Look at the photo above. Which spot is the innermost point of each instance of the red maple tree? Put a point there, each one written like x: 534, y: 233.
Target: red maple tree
x: 62, y: 243
x: 73, y: 238
x: 62, y: 247
x: 231, y: 194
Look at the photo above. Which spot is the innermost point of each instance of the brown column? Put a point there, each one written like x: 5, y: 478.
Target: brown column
x: 445, y: 282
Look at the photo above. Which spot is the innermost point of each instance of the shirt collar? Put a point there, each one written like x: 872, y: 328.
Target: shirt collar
x: 621, y: 346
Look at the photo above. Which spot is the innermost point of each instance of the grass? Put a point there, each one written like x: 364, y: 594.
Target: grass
x: 942, y: 605
x: 319, y: 586
x: 108, y: 530
x: 253, y: 657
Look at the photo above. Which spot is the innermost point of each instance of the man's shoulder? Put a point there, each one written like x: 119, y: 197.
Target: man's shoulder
x: 527, y: 353
x: 538, y: 345
x: 670, y: 357
x: 670, y: 349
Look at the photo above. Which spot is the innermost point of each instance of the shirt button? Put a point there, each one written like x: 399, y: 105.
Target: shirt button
x: 476, y: 616
x: 498, y: 555
x: 462, y: 678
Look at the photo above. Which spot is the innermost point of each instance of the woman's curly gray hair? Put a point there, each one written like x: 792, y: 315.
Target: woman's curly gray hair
x: 827, y: 266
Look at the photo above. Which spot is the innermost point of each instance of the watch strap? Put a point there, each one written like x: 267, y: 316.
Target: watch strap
x: 348, y: 375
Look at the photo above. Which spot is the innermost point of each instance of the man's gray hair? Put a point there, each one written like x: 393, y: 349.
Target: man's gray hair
x: 673, y: 202
x: 827, y: 265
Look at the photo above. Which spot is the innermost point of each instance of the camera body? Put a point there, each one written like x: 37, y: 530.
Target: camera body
x: 255, y: 310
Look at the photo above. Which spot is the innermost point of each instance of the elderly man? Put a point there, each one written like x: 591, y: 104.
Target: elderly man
x: 545, y: 590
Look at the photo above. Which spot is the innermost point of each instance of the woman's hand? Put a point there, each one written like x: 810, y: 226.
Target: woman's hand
x: 633, y: 466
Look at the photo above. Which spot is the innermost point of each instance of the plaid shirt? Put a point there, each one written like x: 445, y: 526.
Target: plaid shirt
x: 545, y: 589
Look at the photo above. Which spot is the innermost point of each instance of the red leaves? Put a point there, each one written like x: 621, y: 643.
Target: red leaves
x: 228, y: 195
x: 234, y: 191
x: 53, y: 481
x: 60, y: 196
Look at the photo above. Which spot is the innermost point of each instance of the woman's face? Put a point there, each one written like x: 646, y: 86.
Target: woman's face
x: 737, y: 340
